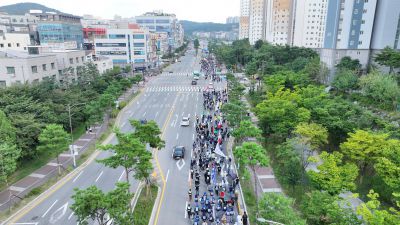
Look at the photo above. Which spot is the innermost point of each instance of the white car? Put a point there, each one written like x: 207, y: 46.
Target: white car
x: 185, y: 121
x: 210, y: 86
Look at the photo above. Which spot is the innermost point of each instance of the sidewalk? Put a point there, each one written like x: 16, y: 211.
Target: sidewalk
x: 14, y: 193
x: 265, y: 175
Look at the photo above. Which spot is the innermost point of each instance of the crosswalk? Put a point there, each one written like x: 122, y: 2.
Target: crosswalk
x: 178, y: 89
x: 189, y: 73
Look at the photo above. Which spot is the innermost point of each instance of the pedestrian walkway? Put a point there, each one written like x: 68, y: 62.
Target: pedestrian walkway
x: 265, y: 175
x: 15, y: 192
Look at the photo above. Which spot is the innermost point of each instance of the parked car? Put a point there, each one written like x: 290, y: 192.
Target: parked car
x: 178, y: 152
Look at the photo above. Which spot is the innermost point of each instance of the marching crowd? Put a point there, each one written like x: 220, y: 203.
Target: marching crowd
x: 212, y: 189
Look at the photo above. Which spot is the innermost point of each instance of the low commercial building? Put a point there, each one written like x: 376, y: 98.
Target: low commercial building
x: 18, y: 67
x: 124, y: 46
x: 103, y: 64
x: 14, y: 41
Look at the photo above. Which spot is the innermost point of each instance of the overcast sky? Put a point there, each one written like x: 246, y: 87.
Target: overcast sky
x: 195, y: 10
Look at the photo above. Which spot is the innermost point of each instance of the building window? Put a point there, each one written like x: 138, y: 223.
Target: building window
x: 71, y: 61
x: 1, y: 45
x: 17, y: 44
x: 34, y: 69
x: 83, y: 59
x: 44, y: 67
x: 138, y: 44
x: 116, y: 36
x: 10, y: 70
x: 2, y: 83
x: 52, y: 66
x: 9, y: 44
x: 77, y: 60
x: 138, y: 36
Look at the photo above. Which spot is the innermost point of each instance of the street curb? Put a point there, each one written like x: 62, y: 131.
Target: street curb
x: 156, y: 202
x: 137, y: 194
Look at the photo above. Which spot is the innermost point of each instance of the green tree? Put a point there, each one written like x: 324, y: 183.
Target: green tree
x: 312, y: 134
x: 9, y: 156
x: 53, y: 140
x: 251, y: 154
x: 280, y: 113
x: 363, y: 148
x: 320, y: 208
x: 373, y: 214
x: 290, y: 164
x: 332, y: 174
x: 388, y: 166
x: 381, y: 89
x: 196, y: 45
x: 388, y: 57
x: 94, y: 204
x: 345, y: 81
x: 235, y: 112
x: 7, y: 130
x: 245, y: 130
x: 278, y: 208
x: 347, y: 63
x: 148, y: 133
x: 258, y: 44
x: 126, y: 153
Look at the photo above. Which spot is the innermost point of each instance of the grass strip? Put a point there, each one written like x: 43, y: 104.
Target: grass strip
x: 144, y: 205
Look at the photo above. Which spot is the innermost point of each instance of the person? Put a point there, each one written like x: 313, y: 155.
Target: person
x: 189, y: 211
x: 244, y: 218
x: 190, y: 194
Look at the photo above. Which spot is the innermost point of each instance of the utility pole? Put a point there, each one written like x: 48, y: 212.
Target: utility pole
x: 72, y: 138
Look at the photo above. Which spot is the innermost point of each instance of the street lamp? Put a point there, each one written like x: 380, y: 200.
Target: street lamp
x: 69, y: 106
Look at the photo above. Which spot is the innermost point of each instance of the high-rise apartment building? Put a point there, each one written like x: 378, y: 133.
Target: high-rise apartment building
x: 309, y: 23
x: 257, y: 21
x: 278, y: 21
x: 348, y: 31
x: 244, y: 19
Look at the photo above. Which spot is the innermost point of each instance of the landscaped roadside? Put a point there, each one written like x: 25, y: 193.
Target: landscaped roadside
x: 321, y: 145
x: 144, y: 205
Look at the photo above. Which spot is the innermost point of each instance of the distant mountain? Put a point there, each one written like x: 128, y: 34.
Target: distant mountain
x: 22, y: 8
x: 190, y: 26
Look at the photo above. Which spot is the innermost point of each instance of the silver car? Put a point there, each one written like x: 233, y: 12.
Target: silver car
x: 185, y: 121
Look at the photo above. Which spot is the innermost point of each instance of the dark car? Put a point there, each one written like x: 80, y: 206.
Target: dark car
x: 170, y: 71
x: 194, y: 82
x: 178, y: 152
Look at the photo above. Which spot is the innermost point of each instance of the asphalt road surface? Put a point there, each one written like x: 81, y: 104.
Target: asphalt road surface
x: 165, y: 99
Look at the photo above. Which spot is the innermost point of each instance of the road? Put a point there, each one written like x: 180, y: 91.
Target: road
x: 165, y: 99
x: 176, y: 173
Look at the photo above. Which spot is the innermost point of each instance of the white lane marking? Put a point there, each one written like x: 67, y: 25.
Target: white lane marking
x: 99, y: 176
x: 122, y: 174
x: 25, y: 223
x: 193, y: 137
x: 166, y: 177
x: 185, y: 209
x: 177, y: 136
x: 156, y: 114
x: 144, y: 114
x: 60, y: 212
x: 49, y: 208
x: 172, y: 123
x: 70, y: 215
x: 189, y: 178
x: 76, y: 178
x: 180, y: 166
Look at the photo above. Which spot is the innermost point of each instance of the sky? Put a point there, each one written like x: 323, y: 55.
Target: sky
x: 195, y: 10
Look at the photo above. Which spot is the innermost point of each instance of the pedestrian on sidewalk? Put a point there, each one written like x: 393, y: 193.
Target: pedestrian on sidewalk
x: 244, y: 218
x: 190, y: 194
